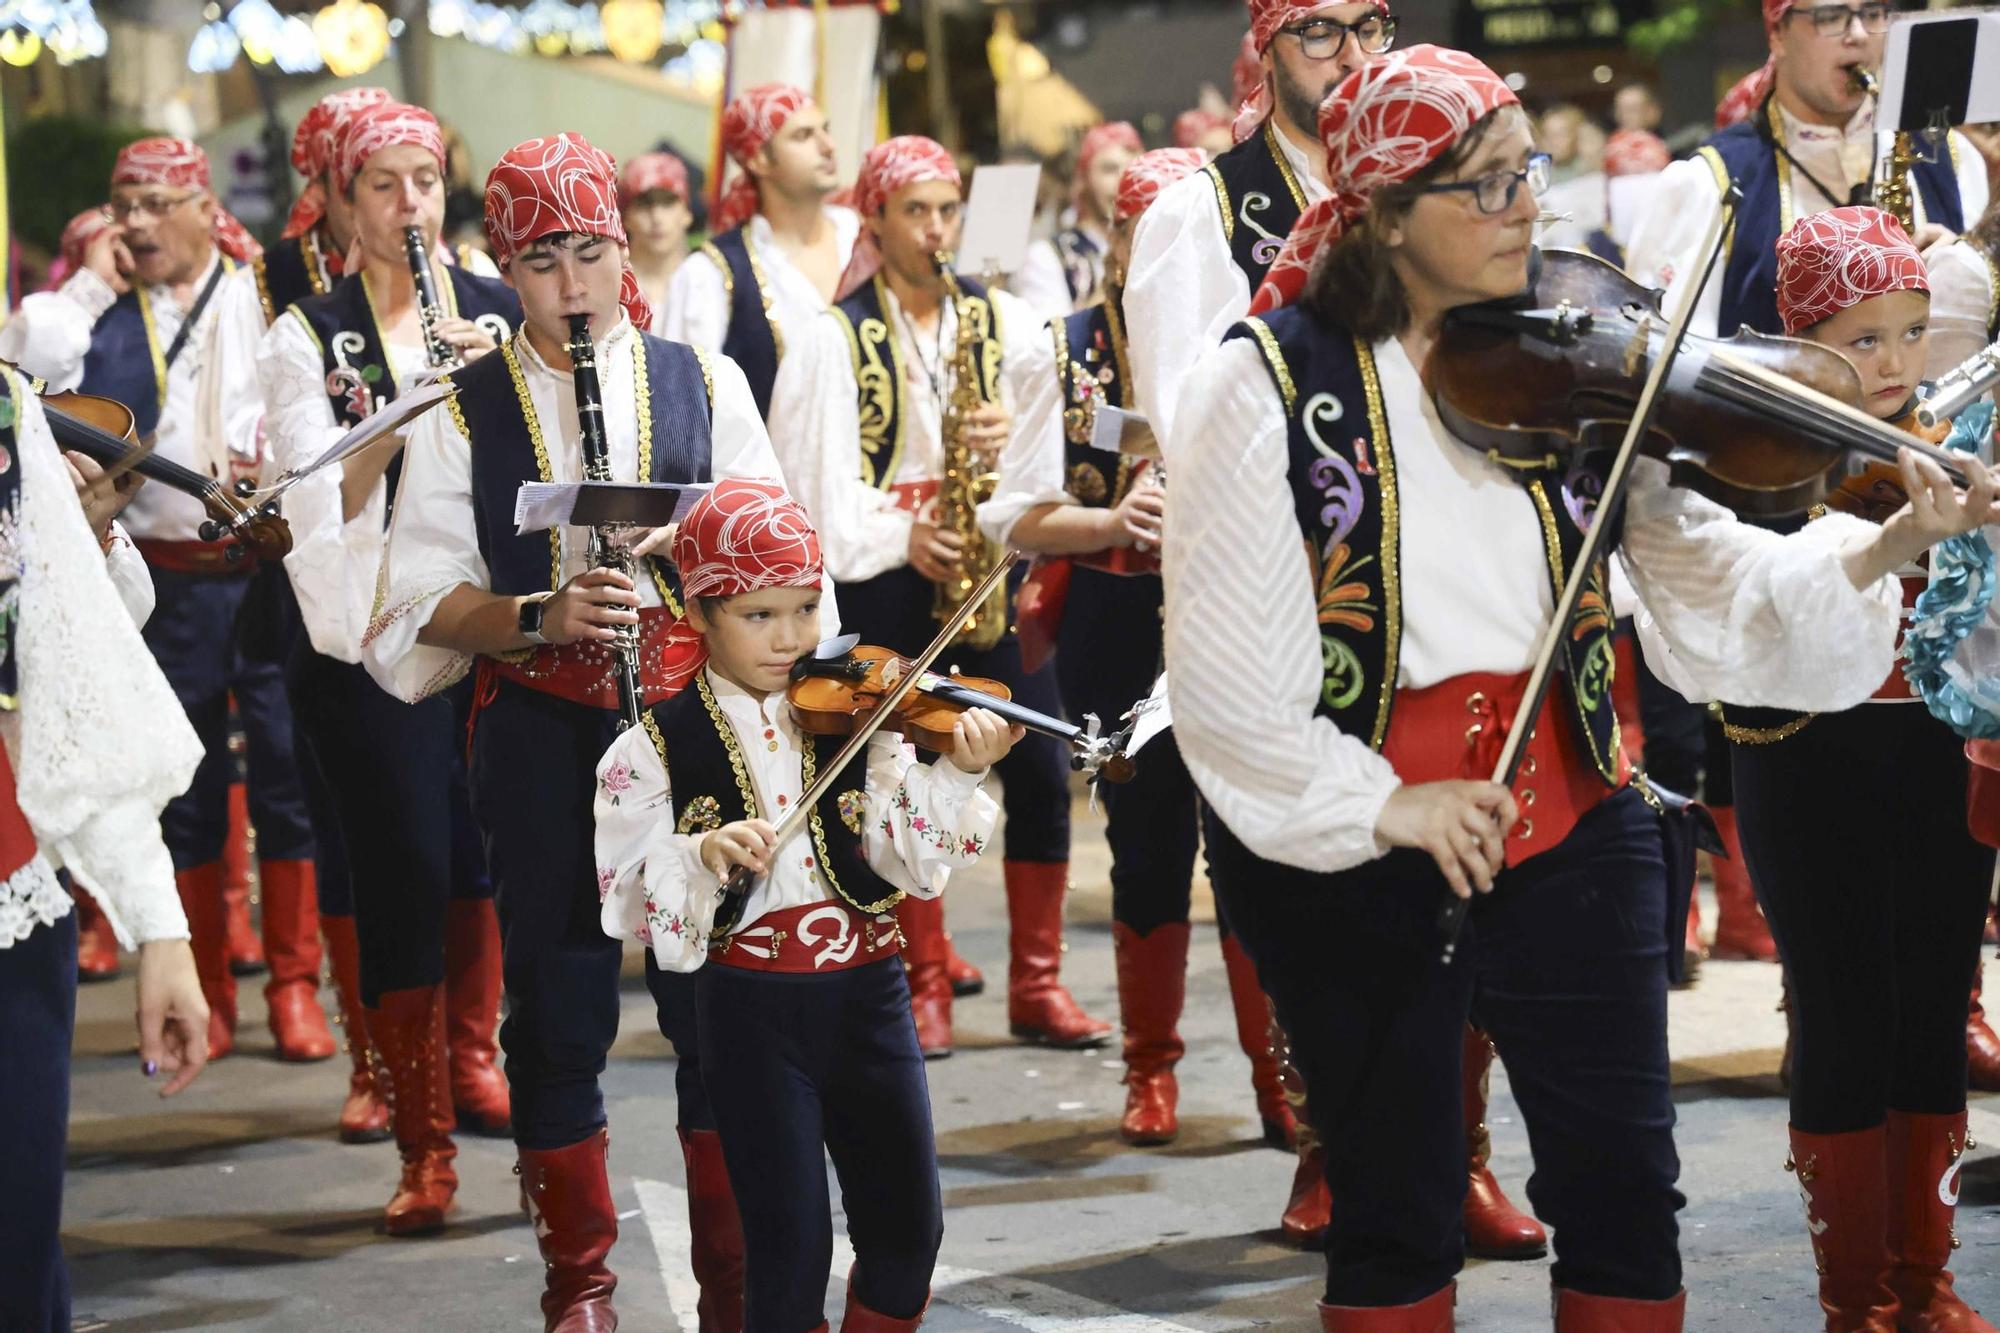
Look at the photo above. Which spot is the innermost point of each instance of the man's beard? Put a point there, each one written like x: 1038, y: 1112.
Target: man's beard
x: 1300, y: 103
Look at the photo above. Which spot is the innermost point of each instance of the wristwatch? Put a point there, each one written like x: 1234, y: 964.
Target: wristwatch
x: 531, y: 618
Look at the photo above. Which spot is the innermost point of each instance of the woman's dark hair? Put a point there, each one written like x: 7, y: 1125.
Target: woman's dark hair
x: 1354, y: 285
x: 1985, y: 233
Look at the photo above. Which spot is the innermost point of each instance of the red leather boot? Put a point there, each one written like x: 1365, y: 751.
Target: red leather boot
x: 1152, y: 986
x: 96, y: 942
x: 1039, y: 1008
x: 408, y: 1027
x: 1494, y: 1228
x: 965, y: 978
x: 246, y: 948
x: 1924, y: 1156
x: 291, y: 944
x: 472, y: 1017
x: 1253, y: 1034
x: 364, y: 1116
x: 568, y: 1191
x: 858, y: 1318
x: 208, y: 935
x: 1740, y: 931
x: 1432, y: 1314
x: 1843, y: 1179
x: 1309, y: 1208
x: 1579, y: 1312
x: 922, y: 922
x: 1982, y: 1046
x: 717, y: 1231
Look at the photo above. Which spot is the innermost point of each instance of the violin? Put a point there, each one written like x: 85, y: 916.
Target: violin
x: 843, y: 683
x: 104, y: 429
x: 1769, y: 427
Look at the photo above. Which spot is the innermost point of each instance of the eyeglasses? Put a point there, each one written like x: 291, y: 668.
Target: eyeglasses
x: 1321, y: 39
x: 1495, y: 193
x: 1834, y: 20
x: 152, y: 205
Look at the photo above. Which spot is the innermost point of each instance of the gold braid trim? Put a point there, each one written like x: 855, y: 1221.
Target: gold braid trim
x: 1274, y: 357
x: 1284, y: 164
x: 729, y: 743
x: 1222, y: 202
x: 543, y: 470
x: 1765, y: 735
x: 1392, y: 539
x: 808, y: 770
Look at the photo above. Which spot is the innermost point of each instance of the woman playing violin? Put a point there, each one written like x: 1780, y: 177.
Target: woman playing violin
x: 1391, y: 588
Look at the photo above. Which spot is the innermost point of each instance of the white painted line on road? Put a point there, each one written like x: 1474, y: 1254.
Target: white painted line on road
x: 1019, y: 1301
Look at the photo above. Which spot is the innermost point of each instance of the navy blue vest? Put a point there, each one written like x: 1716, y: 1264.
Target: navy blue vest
x: 491, y: 408
x: 1745, y: 153
x: 1260, y: 200
x: 754, y: 342
x: 127, y: 358
x: 1082, y: 261
x: 712, y: 788
x: 288, y: 272
x: 878, y: 370
x: 1343, y: 478
x: 1092, y: 368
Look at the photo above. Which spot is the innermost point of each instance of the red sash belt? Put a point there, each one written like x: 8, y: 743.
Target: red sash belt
x: 1896, y: 687
x: 1122, y: 560
x: 586, y: 672
x: 1455, y: 729
x: 912, y: 496
x: 194, y: 557
x: 818, y: 937
x: 17, y: 840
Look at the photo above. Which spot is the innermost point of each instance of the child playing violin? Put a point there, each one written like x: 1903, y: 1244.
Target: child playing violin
x: 803, y: 1012
x: 1879, y: 936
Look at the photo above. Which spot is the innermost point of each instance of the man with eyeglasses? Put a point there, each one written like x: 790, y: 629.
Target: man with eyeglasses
x: 1810, y: 145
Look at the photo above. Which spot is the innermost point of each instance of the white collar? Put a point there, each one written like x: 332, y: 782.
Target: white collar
x: 1860, y: 124
x: 532, y: 359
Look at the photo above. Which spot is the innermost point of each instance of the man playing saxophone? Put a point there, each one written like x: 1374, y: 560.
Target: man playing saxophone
x: 859, y: 418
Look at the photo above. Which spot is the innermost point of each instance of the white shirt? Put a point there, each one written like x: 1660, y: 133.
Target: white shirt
x: 920, y: 823
x: 696, y: 310
x: 1183, y: 290
x: 816, y: 425
x: 1730, y: 610
x: 1964, y: 299
x: 433, y: 546
x: 1667, y: 242
x: 99, y: 743
x: 129, y: 575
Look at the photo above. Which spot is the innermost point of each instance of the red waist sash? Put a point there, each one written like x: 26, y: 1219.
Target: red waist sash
x: 816, y: 937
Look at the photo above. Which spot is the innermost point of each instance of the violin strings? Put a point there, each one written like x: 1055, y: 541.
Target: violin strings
x: 1843, y: 424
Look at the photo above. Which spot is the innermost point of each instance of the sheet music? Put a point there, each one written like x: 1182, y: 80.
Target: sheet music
x: 998, y: 216
x: 400, y: 411
x: 540, y: 505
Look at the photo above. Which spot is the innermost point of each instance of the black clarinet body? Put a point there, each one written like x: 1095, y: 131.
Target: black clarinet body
x: 606, y: 552
x: 430, y: 311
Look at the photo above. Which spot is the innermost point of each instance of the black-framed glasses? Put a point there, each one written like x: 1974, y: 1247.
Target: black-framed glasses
x: 1322, y: 38
x: 1834, y: 20
x: 1495, y: 193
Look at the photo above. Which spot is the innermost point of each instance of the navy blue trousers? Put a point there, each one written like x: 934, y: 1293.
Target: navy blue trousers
x: 396, y: 793
x: 893, y: 610
x: 37, y: 1021
x: 1564, y: 964
x: 800, y: 1067
x: 192, y: 635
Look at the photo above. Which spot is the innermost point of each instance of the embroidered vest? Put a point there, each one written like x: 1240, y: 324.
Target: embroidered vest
x: 127, y: 359
x: 1093, y: 370
x: 1260, y: 199
x: 754, y: 341
x: 1343, y: 478
x: 10, y: 551
x: 1082, y: 262
x: 878, y: 370
x: 1746, y: 154
x: 288, y: 272
x: 492, y: 410
x: 712, y: 787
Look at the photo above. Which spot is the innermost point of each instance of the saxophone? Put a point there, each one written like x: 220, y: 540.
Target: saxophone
x: 1892, y: 191
x: 964, y: 486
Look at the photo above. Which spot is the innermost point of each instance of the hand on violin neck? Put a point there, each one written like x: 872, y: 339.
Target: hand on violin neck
x: 746, y: 844
x: 1936, y: 510
x: 980, y: 739
x: 101, y: 500
x: 1462, y: 824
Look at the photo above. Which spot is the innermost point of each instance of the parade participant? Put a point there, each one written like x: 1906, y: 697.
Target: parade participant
x: 1200, y: 128
x: 1066, y: 272
x: 779, y: 247
x: 858, y: 417
x: 95, y: 745
x: 148, y: 348
x: 459, y: 586
x: 429, y: 945
x: 1965, y: 294
x: 821, y: 1058
x: 1204, y: 247
x: 1351, y: 790
x: 653, y: 203
x: 1876, y: 943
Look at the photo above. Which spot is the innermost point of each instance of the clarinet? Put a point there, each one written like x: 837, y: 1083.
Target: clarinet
x: 430, y: 311
x: 605, y: 551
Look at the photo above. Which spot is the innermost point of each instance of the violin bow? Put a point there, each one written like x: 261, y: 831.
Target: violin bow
x: 1451, y: 918
x: 736, y: 889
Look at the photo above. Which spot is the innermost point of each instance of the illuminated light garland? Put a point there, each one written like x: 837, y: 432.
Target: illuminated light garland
x: 66, y: 29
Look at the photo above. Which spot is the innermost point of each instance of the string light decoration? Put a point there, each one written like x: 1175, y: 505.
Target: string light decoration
x: 65, y: 29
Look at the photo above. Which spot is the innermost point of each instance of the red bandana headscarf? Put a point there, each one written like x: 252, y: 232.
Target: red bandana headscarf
x: 1112, y: 134
x: 181, y: 165
x: 1840, y: 258
x: 1254, y: 97
x: 891, y: 165
x: 384, y: 125
x: 561, y: 183
x: 1635, y: 153
x: 312, y: 151
x: 1386, y: 122
x: 1748, y: 93
x: 649, y: 172
x: 748, y: 123
x: 1149, y: 173
x: 1191, y: 127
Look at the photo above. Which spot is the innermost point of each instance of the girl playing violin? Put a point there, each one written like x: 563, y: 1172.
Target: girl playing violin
x: 1390, y: 588
x: 803, y: 1012
x: 1879, y: 936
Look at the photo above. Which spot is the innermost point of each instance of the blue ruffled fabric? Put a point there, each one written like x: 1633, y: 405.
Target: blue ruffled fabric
x: 1961, y: 588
